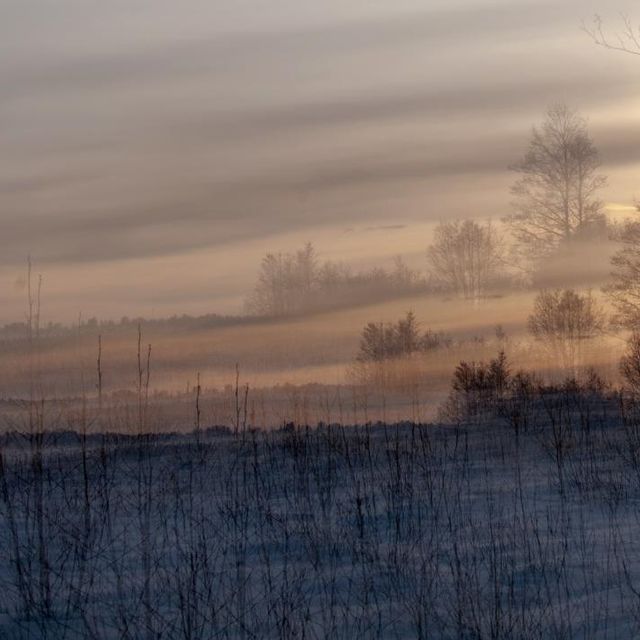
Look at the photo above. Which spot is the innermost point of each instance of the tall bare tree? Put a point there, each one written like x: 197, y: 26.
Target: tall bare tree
x: 555, y: 197
x: 465, y: 257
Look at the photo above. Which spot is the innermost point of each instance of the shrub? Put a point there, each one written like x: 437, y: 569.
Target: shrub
x: 478, y: 388
x: 380, y: 341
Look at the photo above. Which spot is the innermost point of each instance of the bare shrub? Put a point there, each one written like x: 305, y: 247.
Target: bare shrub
x: 477, y: 388
x: 562, y: 320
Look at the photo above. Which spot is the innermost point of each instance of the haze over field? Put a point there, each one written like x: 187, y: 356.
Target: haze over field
x: 329, y: 196
x: 154, y: 151
x: 319, y: 319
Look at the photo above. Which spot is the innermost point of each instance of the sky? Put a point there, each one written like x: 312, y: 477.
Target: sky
x: 153, y: 150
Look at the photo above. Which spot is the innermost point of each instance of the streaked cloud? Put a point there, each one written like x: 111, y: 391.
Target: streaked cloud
x: 151, y: 130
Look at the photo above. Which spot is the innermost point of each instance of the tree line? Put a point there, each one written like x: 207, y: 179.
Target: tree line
x: 555, y: 206
x: 297, y: 282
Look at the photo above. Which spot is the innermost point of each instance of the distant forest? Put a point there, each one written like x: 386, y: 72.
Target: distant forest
x: 18, y: 330
x: 293, y: 283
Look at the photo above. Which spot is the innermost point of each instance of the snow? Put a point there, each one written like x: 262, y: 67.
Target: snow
x: 399, y: 531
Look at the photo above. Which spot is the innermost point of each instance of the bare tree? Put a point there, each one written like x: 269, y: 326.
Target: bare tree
x: 624, y: 288
x: 563, y: 321
x: 375, y: 342
x: 402, y: 275
x: 627, y: 40
x: 285, y: 283
x: 305, y: 270
x: 555, y: 195
x: 630, y: 362
x: 465, y: 257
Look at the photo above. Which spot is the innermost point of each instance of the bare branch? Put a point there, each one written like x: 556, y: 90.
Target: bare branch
x: 626, y: 41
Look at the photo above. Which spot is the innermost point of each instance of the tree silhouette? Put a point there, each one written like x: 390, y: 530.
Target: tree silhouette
x: 630, y: 362
x: 297, y: 282
x: 465, y: 256
x: 623, y: 289
x: 563, y: 320
x: 556, y: 193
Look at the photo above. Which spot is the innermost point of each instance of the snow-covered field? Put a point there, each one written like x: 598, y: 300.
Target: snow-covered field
x: 479, y: 530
